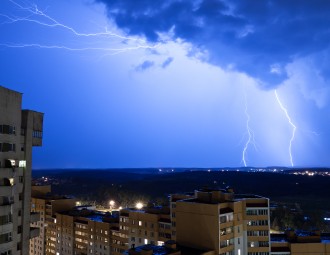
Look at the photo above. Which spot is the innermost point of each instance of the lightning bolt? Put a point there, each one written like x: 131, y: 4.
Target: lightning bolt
x: 291, y: 123
x: 249, y: 132
x: 39, y: 17
x: 114, y: 50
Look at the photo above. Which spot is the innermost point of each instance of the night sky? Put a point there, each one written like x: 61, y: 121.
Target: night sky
x: 179, y: 83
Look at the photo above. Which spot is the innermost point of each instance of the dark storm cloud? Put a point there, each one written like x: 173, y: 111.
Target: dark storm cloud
x: 252, y: 36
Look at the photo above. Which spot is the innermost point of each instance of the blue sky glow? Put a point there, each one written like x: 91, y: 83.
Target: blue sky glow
x: 166, y: 83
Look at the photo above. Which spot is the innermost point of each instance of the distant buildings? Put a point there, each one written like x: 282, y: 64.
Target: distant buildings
x: 300, y: 243
x: 83, y: 231
x: 46, y: 205
x: 206, y: 222
x: 150, y: 225
x: 20, y: 130
x: 227, y: 223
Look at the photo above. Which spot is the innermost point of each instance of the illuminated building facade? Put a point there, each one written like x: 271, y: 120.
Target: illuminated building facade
x: 20, y: 130
x: 149, y: 225
x: 83, y: 231
x: 46, y: 205
x: 224, y: 222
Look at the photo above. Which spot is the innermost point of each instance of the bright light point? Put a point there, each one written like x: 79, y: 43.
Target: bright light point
x: 139, y: 205
x: 120, y: 208
x: 112, y: 203
x: 293, y: 126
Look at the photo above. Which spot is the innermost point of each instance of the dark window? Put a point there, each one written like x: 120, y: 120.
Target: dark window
x: 7, y: 129
x: 5, y: 147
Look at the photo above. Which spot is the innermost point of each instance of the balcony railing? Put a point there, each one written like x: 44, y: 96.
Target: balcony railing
x: 34, y: 232
x: 34, y: 217
x: 6, y: 200
x: 6, y: 190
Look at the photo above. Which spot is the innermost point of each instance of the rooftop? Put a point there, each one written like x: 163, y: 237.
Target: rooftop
x: 165, y: 250
x: 92, y: 215
x: 301, y: 237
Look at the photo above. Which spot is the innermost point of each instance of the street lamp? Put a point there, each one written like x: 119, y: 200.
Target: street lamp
x: 111, y: 204
x: 139, y: 205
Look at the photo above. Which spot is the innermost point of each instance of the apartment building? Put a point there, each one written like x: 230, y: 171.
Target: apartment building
x: 20, y: 130
x: 150, y: 225
x: 83, y: 231
x: 46, y: 204
x: 300, y: 243
x: 222, y: 221
x: 173, y: 199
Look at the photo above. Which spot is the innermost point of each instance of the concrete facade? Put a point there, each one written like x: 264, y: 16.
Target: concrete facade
x: 82, y: 232
x: 300, y: 243
x: 20, y: 130
x: 221, y: 221
x: 150, y: 225
x: 46, y: 205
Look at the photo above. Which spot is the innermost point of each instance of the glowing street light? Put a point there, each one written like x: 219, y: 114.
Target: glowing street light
x: 139, y: 205
x: 111, y: 204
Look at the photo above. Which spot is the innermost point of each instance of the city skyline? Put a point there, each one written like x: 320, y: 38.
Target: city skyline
x: 173, y: 84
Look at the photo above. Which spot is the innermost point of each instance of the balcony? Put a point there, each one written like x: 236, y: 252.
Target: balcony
x: 34, y: 232
x: 6, y: 245
x: 6, y: 200
x: 34, y: 217
x: 5, y: 228
x: 6, y: 190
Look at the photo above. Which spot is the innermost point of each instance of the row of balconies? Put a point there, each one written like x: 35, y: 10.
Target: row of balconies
x: 6, y: 200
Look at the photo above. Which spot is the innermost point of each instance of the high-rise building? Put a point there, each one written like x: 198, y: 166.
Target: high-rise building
x: 20, y: 130
x: 149, y: 225
x: 83, y: 231
x: 222, y: 221
x: 46, y: 204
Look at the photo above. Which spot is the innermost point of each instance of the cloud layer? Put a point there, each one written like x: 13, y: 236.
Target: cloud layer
x: 259, y: 38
